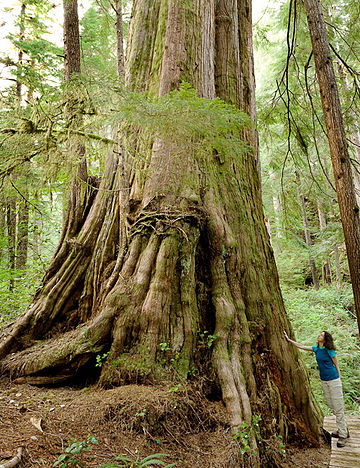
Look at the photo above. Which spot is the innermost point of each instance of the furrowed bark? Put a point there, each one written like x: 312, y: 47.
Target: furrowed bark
x: 193, y: 289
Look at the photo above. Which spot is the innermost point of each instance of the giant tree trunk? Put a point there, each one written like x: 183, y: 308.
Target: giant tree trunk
x: 189, y: 253
x: 349, y: 209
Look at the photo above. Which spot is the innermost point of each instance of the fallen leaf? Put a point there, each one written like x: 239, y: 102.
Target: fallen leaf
x: 37, y: 423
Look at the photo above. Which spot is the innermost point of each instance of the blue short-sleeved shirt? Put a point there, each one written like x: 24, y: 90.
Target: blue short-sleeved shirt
x: 325, y: 364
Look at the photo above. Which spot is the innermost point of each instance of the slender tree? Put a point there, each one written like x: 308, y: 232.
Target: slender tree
x: 2, y: 230
x: 22, y: 233
x: 185, y: 251
x: 36, y: 249
x: 21, y: 52
x: 340, y: 159
x: 11, y: 234
x: 307, y: 234
x: 119, y: 39
x: 326, y: 269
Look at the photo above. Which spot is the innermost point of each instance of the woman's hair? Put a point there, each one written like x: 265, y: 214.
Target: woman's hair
x: 328, y: 341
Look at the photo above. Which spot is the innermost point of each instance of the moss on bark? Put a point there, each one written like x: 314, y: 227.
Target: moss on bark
x: 196, y: 258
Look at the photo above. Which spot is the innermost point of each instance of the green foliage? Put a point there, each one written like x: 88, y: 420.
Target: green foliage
x: 206, y: 339
x: 243, y: 433
x: 291, y: 128
x: 44, y: 229
x: 281, y: 446
x: 42, y: 60
x: 101, y: 358
x: 164, y: 347
x: 14, y: 302
x: 76, y: 448
x: 151, y: 460
x: 98, y: 41
x: 175, y: 388
x: 311, y: 312
x: 209, y: 123
x: 296, y: 159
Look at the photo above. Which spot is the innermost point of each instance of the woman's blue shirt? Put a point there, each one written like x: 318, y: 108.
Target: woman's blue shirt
x: 325, y: 364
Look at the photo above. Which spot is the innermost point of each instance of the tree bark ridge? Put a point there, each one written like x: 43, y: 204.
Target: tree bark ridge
x: 197, y: 256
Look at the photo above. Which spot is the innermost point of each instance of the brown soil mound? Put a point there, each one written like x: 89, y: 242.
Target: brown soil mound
x: 133, y: 420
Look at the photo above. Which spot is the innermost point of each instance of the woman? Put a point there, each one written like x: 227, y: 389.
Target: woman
x: 330, y: 380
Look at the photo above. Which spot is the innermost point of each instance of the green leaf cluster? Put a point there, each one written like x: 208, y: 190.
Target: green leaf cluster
x: 151, y: 460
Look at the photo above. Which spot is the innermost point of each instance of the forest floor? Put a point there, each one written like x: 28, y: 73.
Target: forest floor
x: 133, y: 420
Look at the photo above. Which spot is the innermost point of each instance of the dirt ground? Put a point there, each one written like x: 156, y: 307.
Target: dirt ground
x: 133, y: 420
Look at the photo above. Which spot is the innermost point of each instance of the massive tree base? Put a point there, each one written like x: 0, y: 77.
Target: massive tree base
x: 180, y: 284
x: 167, y: 272
x: 184, y: 299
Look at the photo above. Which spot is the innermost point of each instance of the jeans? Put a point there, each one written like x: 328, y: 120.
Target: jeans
x: 334, y: 398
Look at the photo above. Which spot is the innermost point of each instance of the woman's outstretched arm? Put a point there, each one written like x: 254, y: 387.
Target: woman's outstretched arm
x: 298, y: 345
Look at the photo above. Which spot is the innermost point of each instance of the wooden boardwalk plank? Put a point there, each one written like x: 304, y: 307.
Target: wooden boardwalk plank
x: 348, y: 456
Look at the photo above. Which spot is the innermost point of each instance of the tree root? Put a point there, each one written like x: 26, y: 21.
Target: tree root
x: 43, y: 381
x: 61, y: 356
x: 14, y: 461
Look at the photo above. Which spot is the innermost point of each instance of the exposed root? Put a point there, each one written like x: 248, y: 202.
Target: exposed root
x: 63, y: 355
x: 161, y: 307
x: 14, y: 461
x: 43, y: 381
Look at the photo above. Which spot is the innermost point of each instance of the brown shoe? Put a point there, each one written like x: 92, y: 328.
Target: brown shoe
x: 341, y: 442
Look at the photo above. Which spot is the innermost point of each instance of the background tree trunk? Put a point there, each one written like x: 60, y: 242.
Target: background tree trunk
x: 20, y: 55
x: 2, y: 230
x: 307, y: 235
x: 22, y: 233
x: 11, y: 234
x: 36, y: 221
x: 76, y: 209
x: 340, y: 159
x: 196, y: 258
x: 326, y: 269
x: 337, y: 267
x: 119, y: 39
